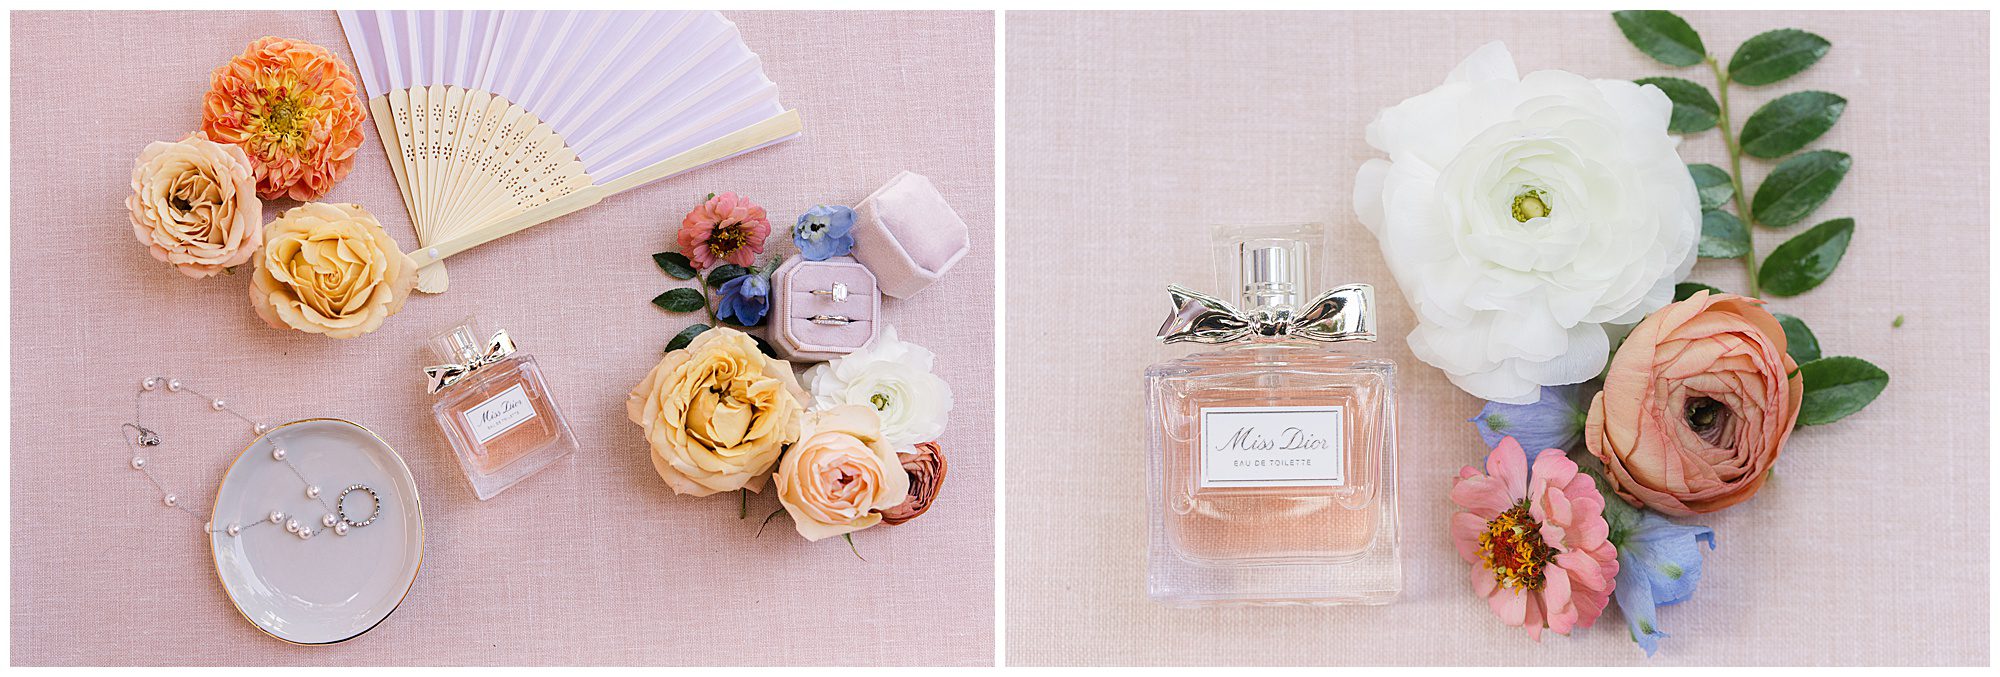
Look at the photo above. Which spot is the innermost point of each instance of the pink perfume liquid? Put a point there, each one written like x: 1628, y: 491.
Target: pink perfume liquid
x: 500, y: 418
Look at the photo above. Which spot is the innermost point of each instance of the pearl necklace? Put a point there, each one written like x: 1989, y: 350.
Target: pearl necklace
x: 138, y: 437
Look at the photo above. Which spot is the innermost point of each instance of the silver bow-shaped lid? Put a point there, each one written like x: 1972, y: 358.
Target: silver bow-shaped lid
x: 1341, y: 314
x: 472, y: 359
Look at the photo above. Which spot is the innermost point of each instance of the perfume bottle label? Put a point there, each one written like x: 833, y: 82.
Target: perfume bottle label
x: 1273, y: 446
x: 500, y: 413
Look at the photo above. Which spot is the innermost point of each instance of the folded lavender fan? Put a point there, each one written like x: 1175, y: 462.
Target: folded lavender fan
x: 495, y: 121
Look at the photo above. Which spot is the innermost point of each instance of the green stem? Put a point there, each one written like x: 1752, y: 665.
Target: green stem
x: 709, y: 305
x: 1736, y: 174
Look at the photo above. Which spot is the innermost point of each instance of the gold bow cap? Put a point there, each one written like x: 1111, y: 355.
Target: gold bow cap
x: 497, y: 349
x: 1341, y: 314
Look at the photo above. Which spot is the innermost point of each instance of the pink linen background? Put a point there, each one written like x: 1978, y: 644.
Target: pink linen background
x: 593, y: 561
x: 1871, y: 544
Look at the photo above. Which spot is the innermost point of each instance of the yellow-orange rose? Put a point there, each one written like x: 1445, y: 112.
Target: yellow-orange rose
x: 717, y: 413
x: 1698, y: 403
x: 330, y: 269
x: 194, y: 204
x: 840, y: 474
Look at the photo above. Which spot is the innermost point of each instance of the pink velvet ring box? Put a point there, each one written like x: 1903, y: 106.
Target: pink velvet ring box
x: 907, y: 235
x: 793, y: 305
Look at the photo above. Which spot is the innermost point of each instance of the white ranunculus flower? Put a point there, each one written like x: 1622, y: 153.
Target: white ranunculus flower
x: 1519, y: 214
x: 893, y: 378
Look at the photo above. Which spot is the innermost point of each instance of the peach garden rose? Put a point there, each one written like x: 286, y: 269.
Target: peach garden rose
x: 194, y: 205
x: 1697, y: 404
x: 717, y: 413
x: 330, y: 269
x: 841, y: 474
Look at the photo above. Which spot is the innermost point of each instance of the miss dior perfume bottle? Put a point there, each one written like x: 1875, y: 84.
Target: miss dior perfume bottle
x: 494, y: 408
x: 1273, y: 458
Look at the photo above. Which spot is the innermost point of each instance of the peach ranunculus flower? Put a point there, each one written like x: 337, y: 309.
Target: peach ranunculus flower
x: 926, y: 467
x: 330, y: 269
x: 840, y: 475
x: 1698, y: 402
x: 194, y: 204
x: 294, y: 107
x: 717, y: 413
x: 1533, y: 528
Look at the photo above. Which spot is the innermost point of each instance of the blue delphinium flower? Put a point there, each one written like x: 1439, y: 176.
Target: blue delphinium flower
x: 1553, y: 422
x: 825, y: 231
x: 1659, y: 563
x: 744, y: 299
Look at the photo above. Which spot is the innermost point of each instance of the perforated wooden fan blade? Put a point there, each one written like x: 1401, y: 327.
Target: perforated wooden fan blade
x: 467, y: 158
x: 495, y: 121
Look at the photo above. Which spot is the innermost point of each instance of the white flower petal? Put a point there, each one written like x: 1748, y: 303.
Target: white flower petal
x: 1503, y: 305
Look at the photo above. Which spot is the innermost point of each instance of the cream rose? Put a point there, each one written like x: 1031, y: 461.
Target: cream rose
x: 330, y: 269
x: 1521, y: 214
x: 194, y: 204
x: 717, y: 413
x: 841, y: 474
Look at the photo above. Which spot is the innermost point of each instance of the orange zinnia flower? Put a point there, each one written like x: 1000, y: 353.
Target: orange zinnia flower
x: 294, y: 108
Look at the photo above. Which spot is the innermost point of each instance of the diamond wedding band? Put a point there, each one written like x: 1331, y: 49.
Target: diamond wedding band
x: 831, y: 319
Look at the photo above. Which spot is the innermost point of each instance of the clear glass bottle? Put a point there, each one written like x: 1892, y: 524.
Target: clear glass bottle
x: 500, y: 418
x: 1273, y: 458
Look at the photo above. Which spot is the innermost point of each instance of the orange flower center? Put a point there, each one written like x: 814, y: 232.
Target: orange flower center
x: 1513, y: 548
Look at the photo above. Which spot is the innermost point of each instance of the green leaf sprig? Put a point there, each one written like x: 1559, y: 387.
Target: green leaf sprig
x: 1835, y: 387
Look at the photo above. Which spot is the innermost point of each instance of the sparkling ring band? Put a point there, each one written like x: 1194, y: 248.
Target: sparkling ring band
x: 838, y: 292
x: 831, y: 319
x: 341, y: 506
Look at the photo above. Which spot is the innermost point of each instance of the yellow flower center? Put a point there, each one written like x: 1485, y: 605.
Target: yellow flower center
x: 1513, y: 548
x: 1531, y: 204
x: 728, y: 239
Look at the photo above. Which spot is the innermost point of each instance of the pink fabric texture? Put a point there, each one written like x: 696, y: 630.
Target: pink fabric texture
x: 1129, y: 134
x: 591, y: 561
x: 793, y: 304
x: 908, y: 234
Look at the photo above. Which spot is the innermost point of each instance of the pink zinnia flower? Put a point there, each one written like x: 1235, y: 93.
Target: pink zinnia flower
x: 1536, y: 539
x: 725, y: 228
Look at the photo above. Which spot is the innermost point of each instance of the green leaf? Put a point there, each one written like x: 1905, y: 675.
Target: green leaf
x: 1662, y: 35
x: 676, y: 265
x: 1776, y: 55
x: 686, y: 336
x: 1790, y: 122
x: 1803, y: 262
x: 1695, y: 109
x: 1686, y: 289
x: 1723, y: 236
x: 726, y: 272
x: 1837, y: 387
x: 1897, y: 323
x: 1799, y: 340
x: 681, y: 300
x: 1712, y: 184
x: 1798, y: 186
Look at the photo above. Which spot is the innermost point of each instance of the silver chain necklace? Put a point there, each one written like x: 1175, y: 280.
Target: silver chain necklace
x: 139, y: 438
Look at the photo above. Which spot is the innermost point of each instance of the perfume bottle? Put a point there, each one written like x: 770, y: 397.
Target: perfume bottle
x: 1273, y: 458
x: 495, y: 408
